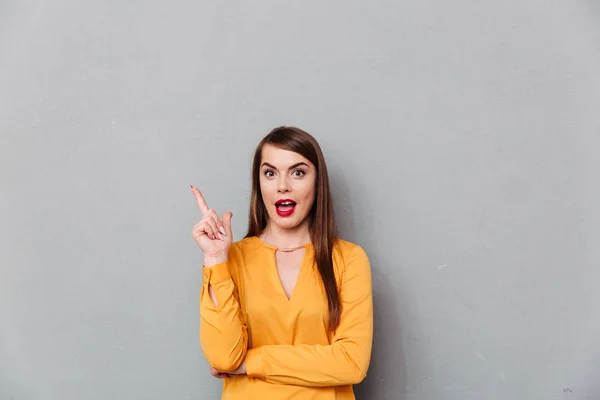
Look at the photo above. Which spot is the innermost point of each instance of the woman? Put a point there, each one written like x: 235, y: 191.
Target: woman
x: 287, y: 312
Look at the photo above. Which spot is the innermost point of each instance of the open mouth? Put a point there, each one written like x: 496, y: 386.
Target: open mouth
x: 285, y: 207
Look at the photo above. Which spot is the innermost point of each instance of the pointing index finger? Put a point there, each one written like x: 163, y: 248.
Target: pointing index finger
x: 200, y: 200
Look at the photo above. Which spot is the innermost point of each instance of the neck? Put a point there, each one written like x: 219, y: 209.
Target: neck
x: 286, y: 238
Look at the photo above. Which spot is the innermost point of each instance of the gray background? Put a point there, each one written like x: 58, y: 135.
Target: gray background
x: 463, y: 141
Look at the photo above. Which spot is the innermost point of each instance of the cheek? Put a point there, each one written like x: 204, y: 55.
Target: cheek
x: 265, y: 190
x: 308, y: 194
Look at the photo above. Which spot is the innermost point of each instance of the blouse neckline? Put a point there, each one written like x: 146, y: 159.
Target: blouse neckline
x: 273, y: 248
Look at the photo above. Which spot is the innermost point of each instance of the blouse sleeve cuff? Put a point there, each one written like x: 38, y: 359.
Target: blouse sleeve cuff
x: 254, y: 363
x: 217, y: 273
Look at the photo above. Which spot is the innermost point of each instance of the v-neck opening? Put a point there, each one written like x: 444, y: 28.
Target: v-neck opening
x: 278, y: 276
x: 308, y: 252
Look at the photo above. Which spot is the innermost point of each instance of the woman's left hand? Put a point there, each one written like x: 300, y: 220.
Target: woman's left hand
x: 241, y: 370
x: 219, y: 374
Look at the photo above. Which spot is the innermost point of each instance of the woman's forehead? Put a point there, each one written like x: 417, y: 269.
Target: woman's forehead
x: 280, y: 157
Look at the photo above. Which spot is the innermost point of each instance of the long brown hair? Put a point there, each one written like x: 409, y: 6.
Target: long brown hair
x: 322, y: 225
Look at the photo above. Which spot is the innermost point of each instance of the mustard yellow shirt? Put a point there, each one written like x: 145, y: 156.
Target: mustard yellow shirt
x: 289, y: 352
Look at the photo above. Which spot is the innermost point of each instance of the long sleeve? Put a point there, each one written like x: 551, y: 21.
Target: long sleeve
x: 223, y: 334
x: 346, y: 360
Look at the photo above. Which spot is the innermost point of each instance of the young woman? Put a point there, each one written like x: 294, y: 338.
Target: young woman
x: 286, y: 312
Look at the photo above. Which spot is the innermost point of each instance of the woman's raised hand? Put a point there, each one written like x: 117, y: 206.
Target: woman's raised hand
x: 212, y: 234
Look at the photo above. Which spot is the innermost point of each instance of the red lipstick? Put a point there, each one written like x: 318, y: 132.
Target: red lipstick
x: 285, y: 207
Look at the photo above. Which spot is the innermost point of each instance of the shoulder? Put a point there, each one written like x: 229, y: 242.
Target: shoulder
x: 346, y: 254
x: 240, y: 254
x: 243, y: 248
x: 347, y: 249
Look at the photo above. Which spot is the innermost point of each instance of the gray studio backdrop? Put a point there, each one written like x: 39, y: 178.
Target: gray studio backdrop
x: 463, y: 140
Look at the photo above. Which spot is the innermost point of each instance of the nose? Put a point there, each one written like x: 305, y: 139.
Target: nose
x: 283, y: 185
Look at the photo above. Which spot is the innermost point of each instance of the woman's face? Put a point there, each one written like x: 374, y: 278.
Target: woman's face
x: 287, y: 185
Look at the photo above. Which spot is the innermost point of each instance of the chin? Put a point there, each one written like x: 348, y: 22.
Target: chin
x: 285, y: 223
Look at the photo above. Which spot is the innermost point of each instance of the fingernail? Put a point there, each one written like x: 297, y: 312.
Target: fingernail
x: 222, y: 230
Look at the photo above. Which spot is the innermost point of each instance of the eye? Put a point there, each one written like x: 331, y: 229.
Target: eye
x: 268, y: 173
x: 299, y: 172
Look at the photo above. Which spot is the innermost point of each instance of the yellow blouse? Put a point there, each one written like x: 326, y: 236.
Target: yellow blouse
x: 289, y: 352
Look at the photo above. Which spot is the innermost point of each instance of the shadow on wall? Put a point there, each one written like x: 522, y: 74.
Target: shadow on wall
x: 387, y: 375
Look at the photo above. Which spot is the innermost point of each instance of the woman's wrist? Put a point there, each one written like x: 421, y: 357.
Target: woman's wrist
x: 210, y: 260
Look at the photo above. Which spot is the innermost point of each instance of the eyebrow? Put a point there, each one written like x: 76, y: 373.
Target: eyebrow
x: 266, y: 164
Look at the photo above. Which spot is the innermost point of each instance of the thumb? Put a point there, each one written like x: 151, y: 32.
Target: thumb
x: 227, y: 223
